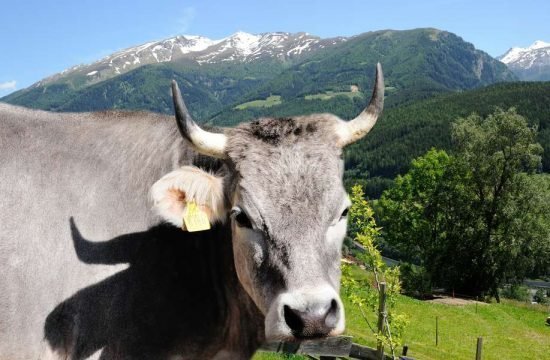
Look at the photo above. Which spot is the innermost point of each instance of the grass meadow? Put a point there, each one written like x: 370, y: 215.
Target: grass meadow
x: 510, y: 330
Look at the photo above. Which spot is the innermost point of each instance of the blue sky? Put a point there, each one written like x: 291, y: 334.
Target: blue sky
x: 40, y: 38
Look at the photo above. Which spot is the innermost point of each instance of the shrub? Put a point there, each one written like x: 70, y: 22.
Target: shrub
x: 516, y: 292
x: 415, y: 281
x: 540, y: 297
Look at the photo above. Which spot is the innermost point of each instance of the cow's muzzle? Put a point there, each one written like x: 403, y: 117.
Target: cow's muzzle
x: 305, y: 314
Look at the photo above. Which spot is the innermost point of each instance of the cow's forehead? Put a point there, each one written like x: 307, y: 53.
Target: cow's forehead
x: 289, y: 161
x: 318, y: 128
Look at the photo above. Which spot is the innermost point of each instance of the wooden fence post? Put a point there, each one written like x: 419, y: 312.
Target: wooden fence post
x: 381, y: 318
x: 479, y: 346
x: 436, y: 330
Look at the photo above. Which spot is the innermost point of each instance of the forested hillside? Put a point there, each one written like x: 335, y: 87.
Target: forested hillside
x: 206, y: 89
x: 405, y: 132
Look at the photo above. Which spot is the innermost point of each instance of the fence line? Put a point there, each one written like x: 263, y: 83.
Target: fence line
x: 330, y: 348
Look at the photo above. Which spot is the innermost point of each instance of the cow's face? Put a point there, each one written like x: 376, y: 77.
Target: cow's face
x: 282, y: 193
x: 288, y: 218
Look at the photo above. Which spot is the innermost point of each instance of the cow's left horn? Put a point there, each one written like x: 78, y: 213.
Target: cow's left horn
x: 353, y: 130
x: 205, y: 142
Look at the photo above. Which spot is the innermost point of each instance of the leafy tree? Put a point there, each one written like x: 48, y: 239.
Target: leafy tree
x: 364, y: 294
x: 500, y: 152
x: 476, y: 219
x: 410, y: 209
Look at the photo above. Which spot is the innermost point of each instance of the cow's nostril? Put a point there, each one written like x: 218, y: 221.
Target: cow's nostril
x: 331, y: 319
x: 293, y: 320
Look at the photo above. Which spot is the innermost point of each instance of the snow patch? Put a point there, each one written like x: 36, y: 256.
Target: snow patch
x: 539, y: 45
x: 194, y: 43
x: 91, y: 73
x: 243, y: 42
x: 298, y: 49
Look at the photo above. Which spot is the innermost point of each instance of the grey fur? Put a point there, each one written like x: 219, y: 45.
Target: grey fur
x: 97, y: 168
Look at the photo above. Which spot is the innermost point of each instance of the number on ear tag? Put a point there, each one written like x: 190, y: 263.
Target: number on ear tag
x: 195, y: 218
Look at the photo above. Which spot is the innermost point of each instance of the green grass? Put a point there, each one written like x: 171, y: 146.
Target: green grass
x: 268, y: 102
x: 330, y: 94
x: 510, y: 330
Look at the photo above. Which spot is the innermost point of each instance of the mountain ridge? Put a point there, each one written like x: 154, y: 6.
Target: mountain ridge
x: 240, y: 46
x: 217, y: 75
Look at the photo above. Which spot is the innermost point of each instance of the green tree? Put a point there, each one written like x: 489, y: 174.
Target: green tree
x: 425, y: 216
x: 476, y: 219
x: 501, y: 154
x: 409, y: 210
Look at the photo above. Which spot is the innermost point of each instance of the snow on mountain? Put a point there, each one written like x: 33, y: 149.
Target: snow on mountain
x: 530, y: 63
x: 241, y: 46
x: 247, y: 47
x: 517, y: 53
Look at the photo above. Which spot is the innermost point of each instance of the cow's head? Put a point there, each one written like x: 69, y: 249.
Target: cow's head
x: 282, y: 192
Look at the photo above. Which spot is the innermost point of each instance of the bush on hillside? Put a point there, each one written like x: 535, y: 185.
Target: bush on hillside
x: 516, y: 292
x: 415, y: 281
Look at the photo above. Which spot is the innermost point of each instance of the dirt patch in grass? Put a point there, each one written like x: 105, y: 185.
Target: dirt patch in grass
x: 447, y: 300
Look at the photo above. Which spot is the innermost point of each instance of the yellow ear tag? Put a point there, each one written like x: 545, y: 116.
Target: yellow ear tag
x: 195, y: 218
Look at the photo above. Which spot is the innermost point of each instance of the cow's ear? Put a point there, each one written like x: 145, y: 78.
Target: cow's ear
x: 189, y: 186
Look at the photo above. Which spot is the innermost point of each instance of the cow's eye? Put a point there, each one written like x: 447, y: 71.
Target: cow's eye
x: 240, y: 217
x: 344, y: 214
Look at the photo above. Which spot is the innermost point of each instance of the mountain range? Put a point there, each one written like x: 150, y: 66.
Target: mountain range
x: 221, y: 79
x: 531, y: 63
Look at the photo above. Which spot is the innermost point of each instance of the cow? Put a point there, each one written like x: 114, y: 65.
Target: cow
x: 128, y: 235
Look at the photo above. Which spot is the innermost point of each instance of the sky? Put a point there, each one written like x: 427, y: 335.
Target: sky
x: 39, y: 38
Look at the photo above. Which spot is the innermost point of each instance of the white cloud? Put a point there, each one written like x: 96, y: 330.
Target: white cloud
x: 8, y: 85
x: 188, y: 16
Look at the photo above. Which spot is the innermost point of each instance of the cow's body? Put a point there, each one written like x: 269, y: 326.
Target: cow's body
x: 98, y: 168
x: 95, y: 257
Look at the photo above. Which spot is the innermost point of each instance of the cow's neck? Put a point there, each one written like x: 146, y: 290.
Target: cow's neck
x: 244, y: 323
x: 225, y: 311
x: 186, y: 280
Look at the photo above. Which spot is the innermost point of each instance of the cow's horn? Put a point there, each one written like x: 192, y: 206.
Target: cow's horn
x: 351, y: 131
x: 204, y: 142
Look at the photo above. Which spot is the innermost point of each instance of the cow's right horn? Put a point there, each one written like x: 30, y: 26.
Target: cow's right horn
x: 353, y: 130
x: 205, y: 142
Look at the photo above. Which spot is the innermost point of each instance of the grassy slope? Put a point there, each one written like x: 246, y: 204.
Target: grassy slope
x: 330, y: 94
x: 268, y: 102
x: 510, y: 330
